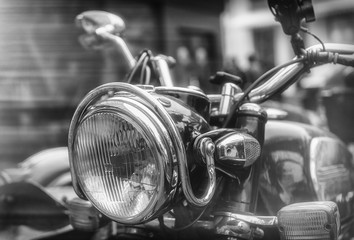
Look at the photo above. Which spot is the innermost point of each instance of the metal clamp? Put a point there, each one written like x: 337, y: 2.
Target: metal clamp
x: 243, y: 226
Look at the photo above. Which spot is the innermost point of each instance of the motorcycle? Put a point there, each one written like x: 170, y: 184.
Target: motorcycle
x: 158, y: 162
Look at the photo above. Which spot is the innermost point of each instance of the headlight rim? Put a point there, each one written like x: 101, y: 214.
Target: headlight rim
x: 151, y: 104
x: 161, y: 185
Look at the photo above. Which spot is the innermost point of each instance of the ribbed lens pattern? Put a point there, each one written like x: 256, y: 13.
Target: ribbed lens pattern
x: 304, y: 225
x: 253, y: 149
x: 115, y: 165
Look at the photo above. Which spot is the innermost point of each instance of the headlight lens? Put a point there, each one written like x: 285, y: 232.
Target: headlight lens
x: 116, y: 164
x: 123, y: 158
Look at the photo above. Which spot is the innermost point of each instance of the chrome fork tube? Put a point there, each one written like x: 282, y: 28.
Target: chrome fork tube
x: 241, y: 195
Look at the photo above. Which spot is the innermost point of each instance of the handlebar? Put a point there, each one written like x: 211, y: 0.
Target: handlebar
x: 334, y: 53
x: 108, y: 27
x: 161, y: 62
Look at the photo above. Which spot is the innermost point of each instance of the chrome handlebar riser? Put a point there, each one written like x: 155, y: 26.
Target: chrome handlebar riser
x: 163, y: 71
x: 229, y: 90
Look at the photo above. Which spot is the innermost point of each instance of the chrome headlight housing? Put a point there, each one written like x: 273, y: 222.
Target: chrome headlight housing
x: 123, y: 149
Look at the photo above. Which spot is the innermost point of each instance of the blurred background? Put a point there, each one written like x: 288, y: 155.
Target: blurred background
x: 44, y: 72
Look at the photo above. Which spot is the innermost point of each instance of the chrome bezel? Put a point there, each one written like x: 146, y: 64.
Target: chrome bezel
x: 158, y: 147
x: 193, y: 98
x: 180, y: 90
x: 114, y: 95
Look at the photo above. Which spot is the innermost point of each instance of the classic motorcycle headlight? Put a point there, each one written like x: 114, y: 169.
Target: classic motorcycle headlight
x: 119, y: 163
x: 123, y: 152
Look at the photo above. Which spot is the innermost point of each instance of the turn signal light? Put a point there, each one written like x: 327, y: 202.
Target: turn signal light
x: 309, y: 220
x: 238, y: 149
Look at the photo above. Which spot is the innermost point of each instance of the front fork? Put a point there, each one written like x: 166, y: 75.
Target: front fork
x: 234, y: 212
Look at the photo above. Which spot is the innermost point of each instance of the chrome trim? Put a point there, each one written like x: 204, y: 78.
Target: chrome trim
x: 242, y: 226
x: 254, y: 108
x: 214, y: 98
x: 276, y: 114
x: 177, y: 90
x: 238, y: 229
x: 163, y: 71
x: 206, y: 148
x: 261, y: 221
x: 169, y: 222
x: 195, y: 99
x: 285, y: 75
x: 229, y: 90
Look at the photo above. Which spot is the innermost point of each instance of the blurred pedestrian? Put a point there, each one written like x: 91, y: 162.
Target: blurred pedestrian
x: 231, y: 66
x: 254, y: 70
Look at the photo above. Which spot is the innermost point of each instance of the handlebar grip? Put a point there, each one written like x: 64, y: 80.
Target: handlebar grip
x: 220, y: 78
x: 332, y: 57
x: 346, y: 60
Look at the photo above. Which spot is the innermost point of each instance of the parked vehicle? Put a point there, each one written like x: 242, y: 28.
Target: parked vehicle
x: 159, y: 162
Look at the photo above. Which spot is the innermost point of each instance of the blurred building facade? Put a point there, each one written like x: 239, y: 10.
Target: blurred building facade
x: 44, y: 71
x: 250, y: 28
